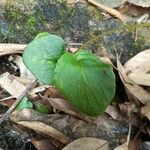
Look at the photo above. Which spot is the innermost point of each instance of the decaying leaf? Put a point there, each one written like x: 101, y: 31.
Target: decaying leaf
x: 46, y: 130
x: 134, y: 89
x: 103, y: 127
x: 124, y: 146
x: 140, y: 78
x: 66, y: 107
x: 24, y: 71
x: 142, y: 3
x: 43, y: 144
x: 87, y: 143
x: 11, y: 85
x: 112, y: 3
x: 138, y: 68
x: 145, y: 111
x: 125, y: 114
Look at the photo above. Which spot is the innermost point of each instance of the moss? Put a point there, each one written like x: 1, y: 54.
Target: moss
x: 94, y: 13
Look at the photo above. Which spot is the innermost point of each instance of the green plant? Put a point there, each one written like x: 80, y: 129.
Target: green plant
x: 84, y: 80
x: 24, y: 103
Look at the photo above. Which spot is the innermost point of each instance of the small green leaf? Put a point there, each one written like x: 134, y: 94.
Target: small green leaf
x: 24, y: 103
x: 85, y: 81
x: 41, y: 56
x: 41, y: 35
x: 42, y: 109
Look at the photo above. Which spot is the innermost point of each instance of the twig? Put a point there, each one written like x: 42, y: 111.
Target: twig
x: 111, y: 11
x: 129, y: 134
x: 6, y: 115
x: 6, y: 49
x: 7, y: 98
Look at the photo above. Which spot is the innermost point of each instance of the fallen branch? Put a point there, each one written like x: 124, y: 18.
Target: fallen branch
x: 111, y: 11
x: 29, y: 86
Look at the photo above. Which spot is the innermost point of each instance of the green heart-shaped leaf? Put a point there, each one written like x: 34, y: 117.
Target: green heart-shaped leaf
x: 41, y: 56
x: 86, y: 81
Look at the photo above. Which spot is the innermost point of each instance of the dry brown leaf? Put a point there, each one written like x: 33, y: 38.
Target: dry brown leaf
x: 134, y: 144
x: 113, y: 112
x: 142, y: 3
x: 66, y: 107
x: 124, y: 146
x: 138, y: 68
x: 140, y: 78
x: 52, y: 92
x: 145, y: 111
x: 46, y: 130
x: 136, y: 91
x: 6, y: 49
x: 24, y: 71
x: 137, y: 60
x: 11, y: 85
x: 87, y: 143
x: 41, y: 143
x: 124, y: 114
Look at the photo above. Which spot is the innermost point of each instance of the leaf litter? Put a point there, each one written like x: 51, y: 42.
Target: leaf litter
x: 63, y: 106
x: 57, y: 124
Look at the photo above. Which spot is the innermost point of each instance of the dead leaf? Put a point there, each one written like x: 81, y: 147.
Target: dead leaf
x: 125, y: 114
x: 133, y: 10
x: 134, y: 144
x: 127, y: 108
x: 138, y: 68
x: 52, y: 92
x: 113, y: 112
x: 124, y: 146
x: 65, y: 106
x: 24, y: 71
x: 135, y: 62
x: 11, y: 85
x: 87, y: 143
x: 41, y: 143
x: 103, y: 127
x: 142, y: 3
x: 6, y: 49
x: 46, y: 130
x: 145, y: 111
x: 140, y: 78
x: 136, y: 91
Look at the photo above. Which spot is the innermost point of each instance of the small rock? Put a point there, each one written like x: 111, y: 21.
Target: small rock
x: 145, y: 146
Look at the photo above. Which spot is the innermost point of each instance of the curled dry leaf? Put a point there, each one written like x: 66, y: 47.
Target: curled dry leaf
x: 87, y: 143
x: 136, y: 91
x: 66, y: 107
x: 46, y: 130
x: 138, y: 68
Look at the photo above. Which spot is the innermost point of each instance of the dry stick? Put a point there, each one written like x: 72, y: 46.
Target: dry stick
x: 6, y: 49
x: 6, y: 115
x: 111, y: 11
